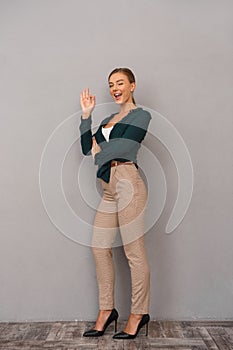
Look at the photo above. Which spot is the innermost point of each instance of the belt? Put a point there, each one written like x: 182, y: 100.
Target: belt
x: 117, y: 162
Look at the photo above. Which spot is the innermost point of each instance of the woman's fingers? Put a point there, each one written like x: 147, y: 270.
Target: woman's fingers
x: 81, y: 96
x: 85, y: 95
x: 93, y: 98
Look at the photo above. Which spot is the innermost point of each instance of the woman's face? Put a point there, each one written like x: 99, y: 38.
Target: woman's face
x: 120, y: 88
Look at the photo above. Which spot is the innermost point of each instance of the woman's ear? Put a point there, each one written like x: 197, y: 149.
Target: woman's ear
x: 133, y: 85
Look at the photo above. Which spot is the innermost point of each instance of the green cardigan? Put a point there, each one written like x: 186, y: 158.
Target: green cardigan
x: 124, y: 140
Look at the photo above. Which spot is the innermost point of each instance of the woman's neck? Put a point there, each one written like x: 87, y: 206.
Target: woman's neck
x: 126, y: 107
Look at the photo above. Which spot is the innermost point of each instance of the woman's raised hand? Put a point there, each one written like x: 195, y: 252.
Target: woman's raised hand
x: 87, y: 103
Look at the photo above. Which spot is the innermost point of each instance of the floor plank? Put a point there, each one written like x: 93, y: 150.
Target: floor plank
x: 173, y: 335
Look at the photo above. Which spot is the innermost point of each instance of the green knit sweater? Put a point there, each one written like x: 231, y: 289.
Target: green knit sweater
x: 124, y: 140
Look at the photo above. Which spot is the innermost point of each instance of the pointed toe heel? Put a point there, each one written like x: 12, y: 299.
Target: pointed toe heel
x: 144, y: 322
x: 95, y: 333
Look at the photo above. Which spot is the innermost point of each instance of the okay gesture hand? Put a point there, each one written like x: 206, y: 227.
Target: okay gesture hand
x: 87, y: 103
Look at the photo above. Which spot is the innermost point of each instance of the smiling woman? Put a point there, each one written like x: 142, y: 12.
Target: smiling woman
x: 122, y: 80
x: 114, y: 147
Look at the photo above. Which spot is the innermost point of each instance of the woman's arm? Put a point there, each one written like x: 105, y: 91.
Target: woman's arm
x: 86, y: 135
x: 87, y: 103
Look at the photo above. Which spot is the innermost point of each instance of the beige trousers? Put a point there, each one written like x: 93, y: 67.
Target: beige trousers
x: 122, y: 206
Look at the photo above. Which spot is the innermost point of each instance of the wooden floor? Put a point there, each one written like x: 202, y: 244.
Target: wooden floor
x: 162, y: 335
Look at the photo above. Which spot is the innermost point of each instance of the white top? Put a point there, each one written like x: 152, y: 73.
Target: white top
x: 106, y: 132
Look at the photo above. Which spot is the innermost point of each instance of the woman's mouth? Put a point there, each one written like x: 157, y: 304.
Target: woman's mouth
x: 117, y: 95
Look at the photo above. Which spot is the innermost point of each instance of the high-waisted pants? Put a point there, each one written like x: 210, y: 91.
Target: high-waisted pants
x: 122, y: 206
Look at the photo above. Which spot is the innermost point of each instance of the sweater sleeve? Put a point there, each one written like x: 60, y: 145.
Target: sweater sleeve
x: 86, y: 135
x: 119, y: 147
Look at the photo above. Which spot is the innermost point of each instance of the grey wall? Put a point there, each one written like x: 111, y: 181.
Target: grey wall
x: 181, y: 52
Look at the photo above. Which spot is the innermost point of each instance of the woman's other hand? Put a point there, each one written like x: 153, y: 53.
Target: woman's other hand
x: 95, y: 147
x: 87, y: 103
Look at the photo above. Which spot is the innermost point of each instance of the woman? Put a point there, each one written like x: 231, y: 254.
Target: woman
x: 114, y: 148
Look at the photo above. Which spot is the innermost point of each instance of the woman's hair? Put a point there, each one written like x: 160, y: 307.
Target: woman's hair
x: 128, y: 73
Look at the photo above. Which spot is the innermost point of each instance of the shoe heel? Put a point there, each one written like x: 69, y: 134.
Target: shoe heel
x: 115, y: 327
x: 147, y: 324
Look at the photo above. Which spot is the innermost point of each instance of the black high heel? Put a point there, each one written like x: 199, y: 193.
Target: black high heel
x: 144, y: 322
x: 95, y: 333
